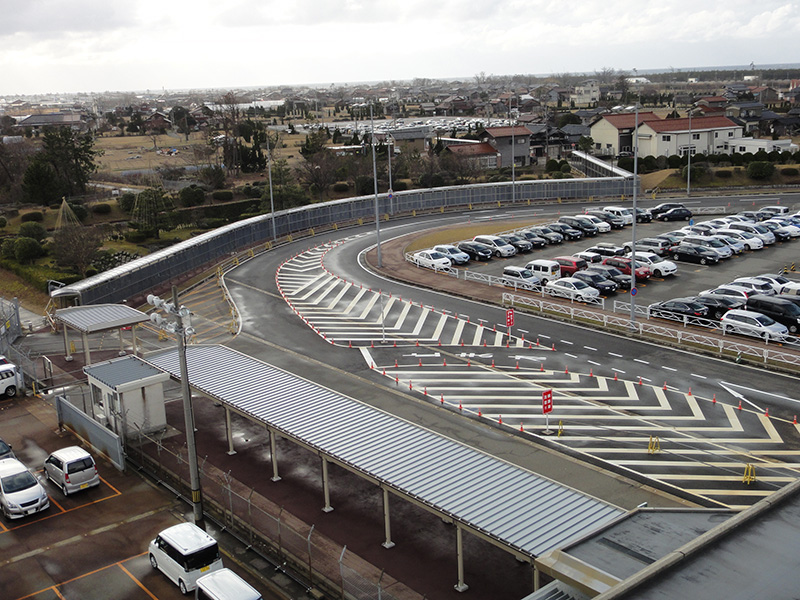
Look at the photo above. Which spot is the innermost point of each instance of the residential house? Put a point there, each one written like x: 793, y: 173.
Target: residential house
x: 484, y: 155
x: 512, y: 143
x: 613, y: 133
x: 748, y: 114
x: 157, y: 121
x: 699, y: 135
x: 768, y: 96
x: 753, y: 145
x: 75, y: 121
x: 586, y: 93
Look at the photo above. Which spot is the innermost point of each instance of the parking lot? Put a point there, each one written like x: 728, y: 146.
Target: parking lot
x: 92, y: 544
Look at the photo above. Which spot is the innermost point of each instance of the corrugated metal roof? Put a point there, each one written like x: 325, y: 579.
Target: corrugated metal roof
x: 98, y: 317
x: 118, y: 372
x: 514, y: 506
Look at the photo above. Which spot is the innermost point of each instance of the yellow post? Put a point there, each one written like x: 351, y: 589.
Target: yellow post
x: 312, y: 232
x: 268, y: 246
x: 385, y: 216
x: 289, y: 238
x: 335, y: 227
x: 360, y: 221
x: 529, y: 201
x: 591, y: 198
x: 441, y: 209
x: 251, y: 252
x: 470, y: 205
x: 749, y: 474
x: 560, y: 428
x: 236, y: 260
x: 654, y: 447
x: 72, y: 347
x: 498, y: 204
x: 559, y: 200
x: 414, y: 213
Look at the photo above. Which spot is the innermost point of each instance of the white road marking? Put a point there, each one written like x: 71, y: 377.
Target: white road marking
x: 590, y: 348
x: 668, y: 368
x: 742, y: 398
x: 591, y: 362
x: 541, y: 335
x: 725, y: 383
x: 533, y: 358
x: 617, y: 355
x: 639, y: 360
x: 522, y: 330
x: 698, y: 376
x: 566, y: 342
x: 618, y: 370
x: 570, y: 355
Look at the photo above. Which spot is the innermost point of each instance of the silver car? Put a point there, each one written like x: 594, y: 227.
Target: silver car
x: 21, y: 493
x: 71, y: 469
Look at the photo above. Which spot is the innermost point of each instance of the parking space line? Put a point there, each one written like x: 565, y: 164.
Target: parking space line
x: 136, y: 581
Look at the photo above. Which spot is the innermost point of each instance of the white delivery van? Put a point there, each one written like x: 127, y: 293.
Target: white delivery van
x: 224, y: 585
x: 184, y: 553
x: 545, y: 270
x: 10, y: 380
x: 625, y: 214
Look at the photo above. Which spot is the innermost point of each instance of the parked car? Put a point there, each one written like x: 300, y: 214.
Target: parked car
x: 5, y: 451
x: 545, y: 269
x: 520, y: 277
x: 664, y: 207
x: 675, y: 214
x: 519, y: 243
x: 570, y: 264
x: 781, y: 310
x: 536, y: 241
x: 659, y: 266
x: 626, y: 214
x: 607, y: 249
x: 776, y: 209
x: 499, y: 246
x: 224, y: 584
x: 731, y: 291
x: 601, y: 283
x: 779, y: 283
x: 695, y: 254
x: 581, y: 224
x: 475, y: 250
x: 718, y: 305
x: 623, y: 263
x: 736, y: 246
x: 762, y: 287
x: 792, y: 228
x: 431, y: 259
x: 456, y: 256
x: 678, y: 308
x: 21, y: 492
x: 748, y: 322
x: 10, y: 379
x: 565, y: 230
x: 622, y: 280
x: 750, y: 241
x: 184, y: 553
x: 659, y: 246
x: 756, y: 229
x: 551, y: 236
x: 574, y: 289
x: 716, y: 246
x: 602, y: 225
x: 643, y: 215
x: 71, y: 469
x: 613, y: 221
x: 590, y: 257
x: 781, y: 233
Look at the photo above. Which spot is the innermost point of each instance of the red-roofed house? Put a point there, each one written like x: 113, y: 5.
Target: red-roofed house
x: 512, y: 141
x: 703, y: 135
x: 613, y: 133
x: 483, y: 154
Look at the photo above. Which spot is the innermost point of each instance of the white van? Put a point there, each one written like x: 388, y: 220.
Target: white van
x: 776, y: 210
x: 545, y: 270
x: 184, y: 553
x: 623, y: 213
x: 224, y: 585
x: 10, y: 380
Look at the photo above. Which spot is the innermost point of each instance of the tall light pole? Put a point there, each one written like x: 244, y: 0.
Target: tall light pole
x: 271, y: 201
x: 513, y: 153
x: 633, y: 224
x: 375, y: 181
x: 177, y: 327
x: 689, y: 161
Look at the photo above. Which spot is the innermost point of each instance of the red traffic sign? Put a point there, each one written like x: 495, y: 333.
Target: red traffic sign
x: 510, y: 317
x: 547, y: 401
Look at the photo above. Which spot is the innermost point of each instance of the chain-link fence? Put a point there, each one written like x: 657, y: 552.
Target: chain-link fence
x: 267, y: 528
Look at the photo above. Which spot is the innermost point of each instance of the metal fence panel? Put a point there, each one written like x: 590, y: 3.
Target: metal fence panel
x: 101, y: 439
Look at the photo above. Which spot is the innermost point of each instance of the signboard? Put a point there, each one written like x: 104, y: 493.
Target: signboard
x: 547, y: 402
x: 633, y: 291
x: 510, y: 317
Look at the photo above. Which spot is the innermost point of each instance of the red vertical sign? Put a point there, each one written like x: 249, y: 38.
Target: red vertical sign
x: 547, y: 401
x: 510, y: 317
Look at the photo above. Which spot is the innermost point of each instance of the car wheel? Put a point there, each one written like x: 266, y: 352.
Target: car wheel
x: 11, y: 391
x: 792, y: 329
x: 703, y: 261
x: 718, y: 314
x: 658, y: 273
x: 676, y: 257
x: 64, y: 489
x: 153, y: 562
x: 685, y: 218
x: 497, y: 253
x: 5, y: 512
x: 182, y: 586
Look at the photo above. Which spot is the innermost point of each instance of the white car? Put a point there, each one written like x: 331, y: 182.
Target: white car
x: 762, y: 287
x: 431, y: 260
x: 736, y: 246
x: 456, y: 256
x: 21, y: 493
x: 780, y: 284
x: 730, y: 291
x: 748, y: 322
x: 623, y: 213
x: 589, y: 256
x: 658, y: 265
x: 720, y: 248
x: 602, y: 226
x: 499, y: 246
x: 574, y: 289
x: 750, y: 241
x: 790, y: 228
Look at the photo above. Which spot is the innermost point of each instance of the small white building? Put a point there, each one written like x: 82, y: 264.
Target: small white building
x: 700, y: 135
x: 748, y: 144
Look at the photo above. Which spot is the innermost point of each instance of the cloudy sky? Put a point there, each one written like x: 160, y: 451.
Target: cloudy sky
x: 99, y: 45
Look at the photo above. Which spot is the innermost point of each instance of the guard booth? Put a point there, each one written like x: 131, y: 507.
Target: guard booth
x: 127, y: 395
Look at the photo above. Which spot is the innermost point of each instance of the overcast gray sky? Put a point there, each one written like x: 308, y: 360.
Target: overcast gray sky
x: 99, y: 45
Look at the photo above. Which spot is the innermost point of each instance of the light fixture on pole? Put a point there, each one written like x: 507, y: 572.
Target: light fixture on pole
x: 375, y: 181
x: 176, y: 326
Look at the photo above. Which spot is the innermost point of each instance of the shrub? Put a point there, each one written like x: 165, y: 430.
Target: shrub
x: 222, y: 195
x: 3, y: 222
x: 697, y: 172
x: 34, y: 215
x: 400, y: 185
x: 723, y: 174
x: 552, y: 166
x: 789, y: 172
x: 79, y: 210
x: 212, y: 223
x: 7, y: 248
x: 674, y: 161
x: 135, y: 236
x: 26, y: 249
x: 760, y: 170
x: 101, y: 209
x: 341, y: 186
x: 737, y: 159
x: 33, y: 230
x: 126, y: 202
x: 192, y: 196
x: 565, y: 168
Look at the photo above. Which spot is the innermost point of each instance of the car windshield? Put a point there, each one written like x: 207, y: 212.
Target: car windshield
x: 780, y: 279
x: 715, y: 243
x: 4, y: 448
x: 614, y: 271
x: 437, y: 255
x: 525, y: 273
x: 18, y: 482
x: 579, y: 285
x: 764, y: 320
x: 760, y: 229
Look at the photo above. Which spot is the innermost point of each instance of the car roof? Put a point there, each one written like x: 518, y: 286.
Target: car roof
x: 71, y: 453
x: 11, y: 466
x: 187, y: 537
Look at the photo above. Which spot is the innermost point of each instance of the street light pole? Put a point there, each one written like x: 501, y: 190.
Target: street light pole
x: 633, y: 224
x: 689, y: 163
x: 375, y: 181
x: 271, y: 201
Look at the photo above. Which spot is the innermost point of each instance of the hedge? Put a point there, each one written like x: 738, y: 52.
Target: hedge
x: 101, y: 209
x: 38, y: 275
x: 222, y: 195
x: 35, y: 215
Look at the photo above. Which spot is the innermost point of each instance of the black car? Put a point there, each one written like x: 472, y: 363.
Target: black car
x: 718, y: 305
x: 696, y: 254
x: 679, y: 307
x: 613, y: 220
x: 475, y: 250
x: 580, y: 223
x: 675, y: 214
x: 623, y: 281
x: 643, y: 215
x: 673, y: 239
x: 521, y: 244
x: 604, y: 249
x: 781, y: 234
x: 552, y: 237
x: 599, y: 282
x: 664, y: 207
x: 565, y: 230
x: 535, y: 240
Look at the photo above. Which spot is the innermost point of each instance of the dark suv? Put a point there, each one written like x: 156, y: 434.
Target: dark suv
x: 781, y: 310
x: 613, y: 220
x: 581, y: 224
x: 664, y: 207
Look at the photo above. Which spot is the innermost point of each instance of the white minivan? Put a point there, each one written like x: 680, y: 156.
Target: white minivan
x: 545, y: 270
x: 10, y: 380
x: 625, y: 214
x: 224, y: 585
x: 184, y: 553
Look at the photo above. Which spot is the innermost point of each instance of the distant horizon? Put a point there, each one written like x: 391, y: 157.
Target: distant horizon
x: 318, y: 85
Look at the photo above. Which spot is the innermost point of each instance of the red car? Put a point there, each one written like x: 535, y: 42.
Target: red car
x: 570, y: 264
x: 624, y: 264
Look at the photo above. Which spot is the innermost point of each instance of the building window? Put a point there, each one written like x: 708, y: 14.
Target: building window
x: 730, y: 134
x: 716, y: 134
x: 742, y: 149
x: 695, y: 136
x: 665, y: 138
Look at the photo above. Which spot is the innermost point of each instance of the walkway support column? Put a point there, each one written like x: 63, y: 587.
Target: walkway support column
x: 387, y: 524
x: 460, y: 586
x: 67, y: 354
x: 229, y: 432
x: 121, y: 342
x: 273, y: 456
x: 326, y: 490
x: 87, y: 355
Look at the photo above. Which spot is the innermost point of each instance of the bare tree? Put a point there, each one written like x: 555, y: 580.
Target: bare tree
x: 76, y: 246
x: 318, y: 172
